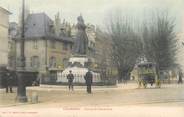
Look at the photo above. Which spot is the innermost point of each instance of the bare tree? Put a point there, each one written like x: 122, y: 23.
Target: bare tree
x: 104, y: 53
x: 126, y: 44
x: 159, y: 41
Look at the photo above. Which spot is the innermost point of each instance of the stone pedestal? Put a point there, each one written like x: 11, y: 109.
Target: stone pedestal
x: 79, y: 65
x: 34, y: 97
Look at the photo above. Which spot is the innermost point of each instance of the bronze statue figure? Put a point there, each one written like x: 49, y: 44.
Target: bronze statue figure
x: 81, y: 41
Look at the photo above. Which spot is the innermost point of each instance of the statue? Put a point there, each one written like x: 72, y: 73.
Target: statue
x: 79, y: 63
x: 81, y: 41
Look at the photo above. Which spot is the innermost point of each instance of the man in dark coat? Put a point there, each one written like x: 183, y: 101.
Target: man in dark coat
x: 70, y: 78
x: 89, y: 80
x: 8, y: 81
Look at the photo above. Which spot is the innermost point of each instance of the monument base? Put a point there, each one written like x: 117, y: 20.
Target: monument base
x: 79, y: 65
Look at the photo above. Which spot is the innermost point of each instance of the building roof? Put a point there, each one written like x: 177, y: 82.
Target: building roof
x: 4, y: 10
x: 60, y: 38
x: 40, y: 26
x: 37, y: 25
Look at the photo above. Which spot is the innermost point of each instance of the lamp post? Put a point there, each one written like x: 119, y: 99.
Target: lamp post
x: 21, y: 90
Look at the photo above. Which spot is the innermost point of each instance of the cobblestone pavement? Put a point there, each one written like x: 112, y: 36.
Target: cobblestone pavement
x: 124, y: 99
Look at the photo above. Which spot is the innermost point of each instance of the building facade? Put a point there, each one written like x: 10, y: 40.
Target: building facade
x: 4, y: 19
x: 4, y: 26
x: 46, y: 51
x: 180, y: 50
x: 180, y: 47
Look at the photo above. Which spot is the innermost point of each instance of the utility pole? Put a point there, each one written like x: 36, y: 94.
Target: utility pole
x: 21, y: 89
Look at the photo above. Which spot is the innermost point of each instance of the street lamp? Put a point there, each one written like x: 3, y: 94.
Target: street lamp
x: 21, y: 90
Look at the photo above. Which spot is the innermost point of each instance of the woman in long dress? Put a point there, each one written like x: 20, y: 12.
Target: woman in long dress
x: 81, y: 42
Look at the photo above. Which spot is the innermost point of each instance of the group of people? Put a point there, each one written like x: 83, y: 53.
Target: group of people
x: 88, y: 78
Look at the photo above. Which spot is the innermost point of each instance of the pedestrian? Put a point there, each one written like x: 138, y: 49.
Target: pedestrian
x: 180, y: 77
x: 70, y: 78
x: 8, y: 82
x: 89, y: 80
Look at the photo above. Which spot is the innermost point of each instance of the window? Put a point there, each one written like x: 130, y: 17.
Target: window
x: 35, y: 61
x: 65, y: 46
x: 53, y: 44
x: 52, y: 61
x: 35, y: 44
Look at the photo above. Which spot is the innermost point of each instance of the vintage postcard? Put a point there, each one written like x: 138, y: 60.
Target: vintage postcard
x: 91, y: 58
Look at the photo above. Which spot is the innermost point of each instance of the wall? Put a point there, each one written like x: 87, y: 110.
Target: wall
x: 4, y: 19
x: 59, y: 53
x: 31, y: 51
x: 180, y: 50
x: 43, y: 53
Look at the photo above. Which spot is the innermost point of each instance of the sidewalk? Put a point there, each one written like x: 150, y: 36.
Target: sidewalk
x: 131, y: 85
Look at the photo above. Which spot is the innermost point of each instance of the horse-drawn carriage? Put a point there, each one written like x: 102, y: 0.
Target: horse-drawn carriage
x: 147, y: 74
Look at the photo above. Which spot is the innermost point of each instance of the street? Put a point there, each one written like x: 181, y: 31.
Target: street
x: 164, y: 102
x: 123, y: 94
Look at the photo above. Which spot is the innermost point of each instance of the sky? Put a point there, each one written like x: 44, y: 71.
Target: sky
x: 96, y: 11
